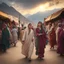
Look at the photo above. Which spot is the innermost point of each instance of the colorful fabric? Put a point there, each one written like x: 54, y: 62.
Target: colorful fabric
x: 52, y: 37
x: 60, y: 49
x: 40, y: 42
x: 28, y: 45
x: 5, y: 37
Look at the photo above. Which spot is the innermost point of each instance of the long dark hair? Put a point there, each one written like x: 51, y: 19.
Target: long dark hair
x: 41, y: 24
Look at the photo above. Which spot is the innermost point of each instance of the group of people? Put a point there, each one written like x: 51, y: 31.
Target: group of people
x: 60, y: 39
x: 31, y: 37
x: 39, y: 37
x: 56, y: 37
x: 8, y: 36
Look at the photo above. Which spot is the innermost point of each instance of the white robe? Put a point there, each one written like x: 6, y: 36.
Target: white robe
x: 28, y: 46
x: 14, y: 35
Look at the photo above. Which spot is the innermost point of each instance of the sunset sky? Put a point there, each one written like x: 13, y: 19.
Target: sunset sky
x: 31, y: 7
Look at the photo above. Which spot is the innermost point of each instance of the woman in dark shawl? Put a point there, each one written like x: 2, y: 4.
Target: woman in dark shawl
x: 40, y: 40
x: 5, y: 38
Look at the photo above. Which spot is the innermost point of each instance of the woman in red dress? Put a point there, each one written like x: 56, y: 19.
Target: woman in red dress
x: 60, y: 49
x: 41, y: 40
x: 52, y: 36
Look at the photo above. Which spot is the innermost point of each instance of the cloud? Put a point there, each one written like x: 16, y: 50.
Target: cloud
x: 28, y: 4
x: 30, y: 7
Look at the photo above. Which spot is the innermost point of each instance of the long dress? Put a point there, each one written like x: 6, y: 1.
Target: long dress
x: 52, y: 38
x: 60, y: 49
x: 28, y: 45
x: 14, y: 35
x: 5, y: 38
x: 40, y: 42
x: 49, y: 29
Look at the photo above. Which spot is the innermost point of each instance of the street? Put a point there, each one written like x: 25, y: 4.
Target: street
x: 14, y: 56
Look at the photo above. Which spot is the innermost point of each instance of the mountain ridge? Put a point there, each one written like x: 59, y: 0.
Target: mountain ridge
x: 39, y: 16
x: 11, y: 11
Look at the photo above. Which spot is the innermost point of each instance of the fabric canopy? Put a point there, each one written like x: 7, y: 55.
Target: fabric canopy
x: 54, y: 15
x: 3, y: 14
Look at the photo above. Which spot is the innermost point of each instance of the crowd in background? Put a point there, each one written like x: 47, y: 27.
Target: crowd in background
x: 29, y: 36
x: 55, y: 33
x: 8, y: 36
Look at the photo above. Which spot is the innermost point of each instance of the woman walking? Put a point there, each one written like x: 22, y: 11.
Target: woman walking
x: 28, y: 42
x: 52, y: 36
x: 60, y: 49
x: 5, y: 38
x: 14, y: 35
x: 41, y: 40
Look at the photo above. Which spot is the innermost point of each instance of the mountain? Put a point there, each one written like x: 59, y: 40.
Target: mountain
x: 39, y: 16
x: 11, y: 11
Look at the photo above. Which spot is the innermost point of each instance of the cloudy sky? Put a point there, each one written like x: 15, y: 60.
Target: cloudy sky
x: 32, y: 7
x: 29, y: 7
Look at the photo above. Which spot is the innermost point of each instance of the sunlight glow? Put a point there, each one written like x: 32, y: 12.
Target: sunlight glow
x: 41, y: 7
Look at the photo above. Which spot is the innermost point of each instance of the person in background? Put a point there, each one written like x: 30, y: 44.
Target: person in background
x: 57, y: 31
x: 22, y: 29
x: 28, y: 42
x: 18, y: 33
x: 14, y: 35
x: 60, y: 42
x: 48, y: 30
x: 52, y: 36
x: 41, y: 41
x: 5, y: 38
x: 9, y: 29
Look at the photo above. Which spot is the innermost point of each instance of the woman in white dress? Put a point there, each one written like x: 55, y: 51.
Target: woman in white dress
x: 14, y: 35
x: 28, y: 42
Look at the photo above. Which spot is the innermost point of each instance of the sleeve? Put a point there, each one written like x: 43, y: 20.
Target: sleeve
x: 33, y: 35
x: 33, y: 38
x: 37, y: 33
x: 24, y: 36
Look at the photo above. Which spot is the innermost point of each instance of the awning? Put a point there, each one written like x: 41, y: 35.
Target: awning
x: 54, y: 15
x: 3, y: 14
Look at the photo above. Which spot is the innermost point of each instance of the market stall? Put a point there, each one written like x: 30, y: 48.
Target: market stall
x: 55, y: 17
